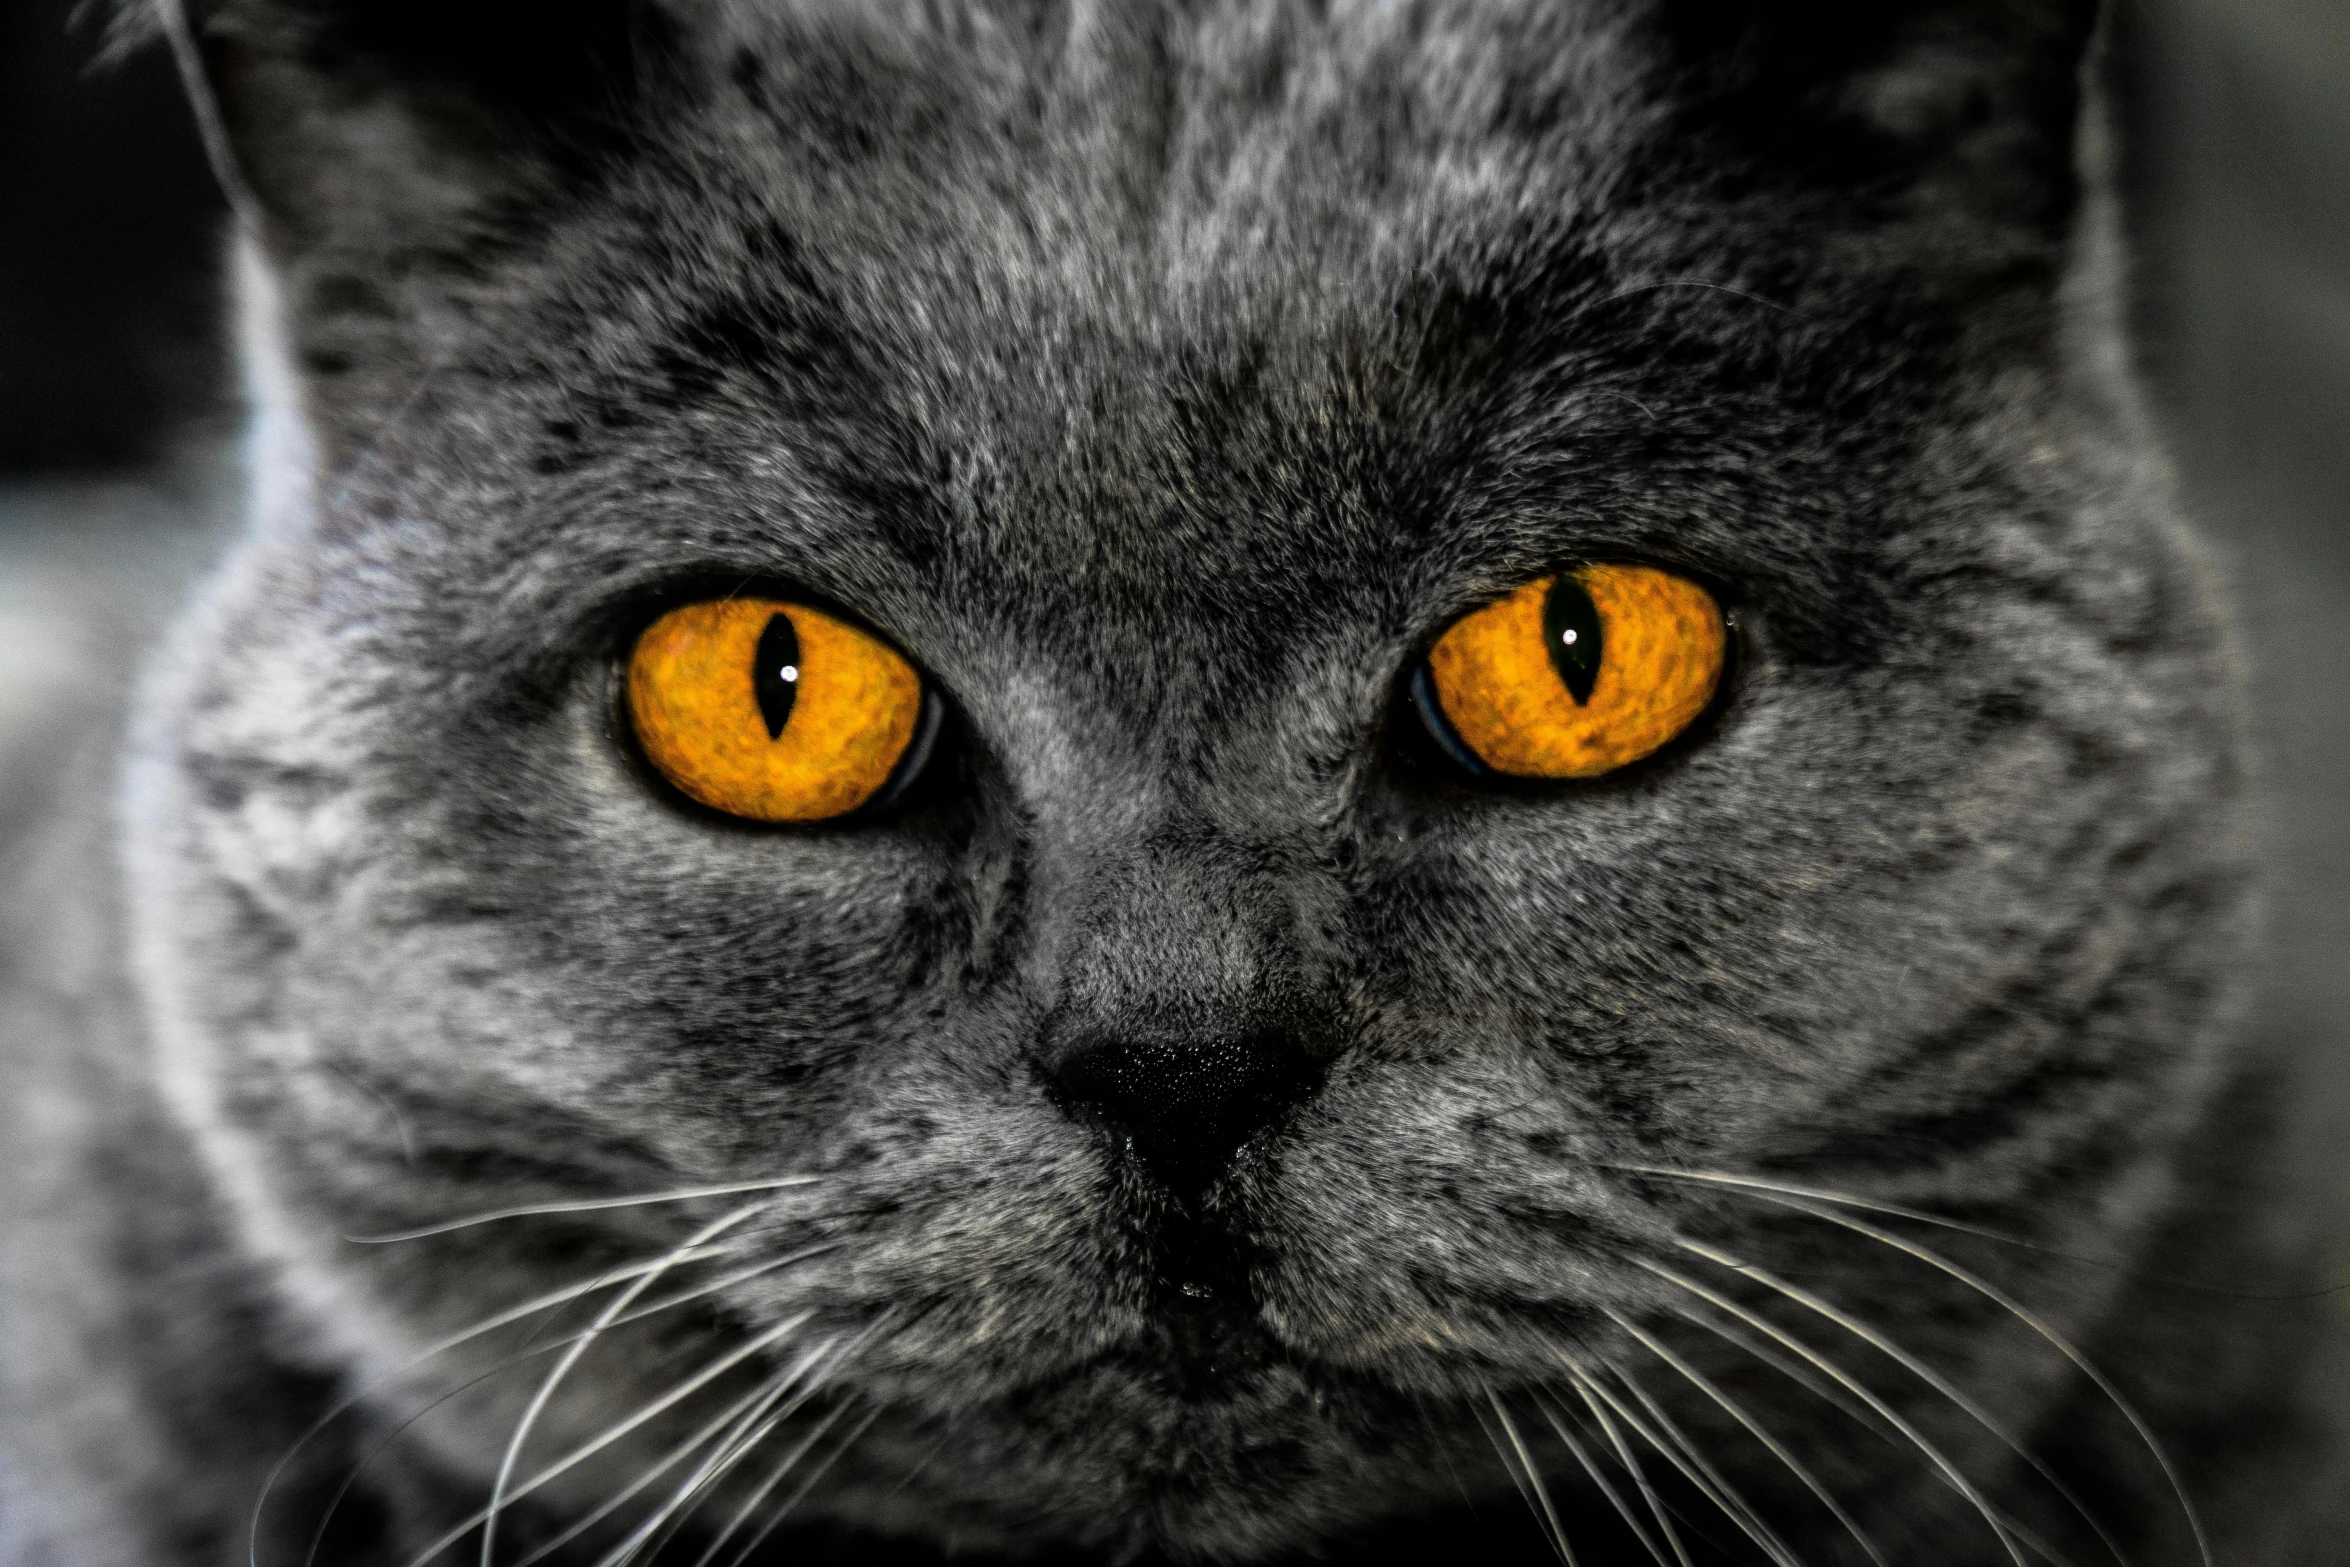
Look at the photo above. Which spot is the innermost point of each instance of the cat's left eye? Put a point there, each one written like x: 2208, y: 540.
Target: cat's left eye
x: 776, y: 712
x: 1575, y: 675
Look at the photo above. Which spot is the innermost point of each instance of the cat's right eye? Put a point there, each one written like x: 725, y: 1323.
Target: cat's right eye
x: 775, y: 712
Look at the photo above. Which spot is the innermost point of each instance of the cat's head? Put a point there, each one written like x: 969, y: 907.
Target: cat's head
x: 1214, y: 1108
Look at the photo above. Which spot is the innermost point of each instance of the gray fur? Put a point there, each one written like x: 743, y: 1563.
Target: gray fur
x: 1162, y: 378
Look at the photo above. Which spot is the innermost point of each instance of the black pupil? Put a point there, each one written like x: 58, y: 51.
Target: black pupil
x: 775, y: 673
x: 1570, y: 625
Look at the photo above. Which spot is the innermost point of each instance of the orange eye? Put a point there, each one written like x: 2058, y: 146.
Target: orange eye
x: 1578, y: 674
x: 773, y: 711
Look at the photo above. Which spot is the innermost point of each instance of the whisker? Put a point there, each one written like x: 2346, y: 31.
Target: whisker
x: 754, y: 1428
x: 1865, y: 1419
x: 1631, y: 1463
x: 505, y: 1318
x: 1794, y: 1371
x: 709, y: 1431
x: 661, y: 1466
x: 1558, y: 1423
x: 750, y: 1438
x: 616, y: 1431
x: 766, y: 1487
x: 1648, y: 285
x: 728, y: 1449
x: 571, y: 1357
x: 1675, y: 1447
x: 714, y: 1286
x: 699, y: 1291
x: 1753, y: 1428
x: 1924, y: 1373
x: 335, y: 1502
x: 1442, y: 1449
x: 581, y: 1205
x: 806, y: 1485
x: 2038, y: 1325
x: 1541, y: 1492
x: 1756, y: 1184
x: 532, y: 1351
x: 1917, y: 1438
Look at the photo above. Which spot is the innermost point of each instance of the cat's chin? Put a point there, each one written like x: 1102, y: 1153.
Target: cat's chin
x: 1200, y: 1484
x: 1224, y: 1450
x: 1492, y: 1535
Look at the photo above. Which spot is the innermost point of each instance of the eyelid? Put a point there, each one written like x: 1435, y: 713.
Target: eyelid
x: 1439, y: 727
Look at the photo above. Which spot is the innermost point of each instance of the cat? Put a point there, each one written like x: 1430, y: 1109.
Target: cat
x: 1186, y: 1089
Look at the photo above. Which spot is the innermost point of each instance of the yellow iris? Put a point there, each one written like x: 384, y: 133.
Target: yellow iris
x: 1580, y: 674
x: 771, y: 711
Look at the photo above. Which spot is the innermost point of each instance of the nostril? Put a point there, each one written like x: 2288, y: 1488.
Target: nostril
x: 1189, y: 1103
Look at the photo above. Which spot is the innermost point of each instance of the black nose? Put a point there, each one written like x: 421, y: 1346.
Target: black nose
x: 1188, y: 1100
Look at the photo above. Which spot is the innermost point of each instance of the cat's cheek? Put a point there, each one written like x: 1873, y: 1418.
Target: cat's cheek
x: 727, y: 948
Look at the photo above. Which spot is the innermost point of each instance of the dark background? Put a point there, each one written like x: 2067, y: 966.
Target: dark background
x: 2235, y: 133
x: 108, y: 222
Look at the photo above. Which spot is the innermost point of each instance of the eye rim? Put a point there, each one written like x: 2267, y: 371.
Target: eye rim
x: 898, y: 792
x: 1435, y: 729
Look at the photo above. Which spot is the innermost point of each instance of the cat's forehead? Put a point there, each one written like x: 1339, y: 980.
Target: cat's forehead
x: 1204, y: 92
x: 1172, y: 295
x: 1188, y: 179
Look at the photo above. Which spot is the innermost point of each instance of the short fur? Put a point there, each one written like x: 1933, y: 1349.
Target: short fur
x: 1162, y: 378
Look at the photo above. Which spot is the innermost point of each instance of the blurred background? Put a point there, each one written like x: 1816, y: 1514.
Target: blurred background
x: 2235, y: 130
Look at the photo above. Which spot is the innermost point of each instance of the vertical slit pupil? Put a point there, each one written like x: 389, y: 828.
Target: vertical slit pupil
x: 775, y: 673
x: 1570, y: 626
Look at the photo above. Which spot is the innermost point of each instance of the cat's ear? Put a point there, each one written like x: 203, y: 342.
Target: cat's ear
x: 1962, y: 108
x: 366, y: 124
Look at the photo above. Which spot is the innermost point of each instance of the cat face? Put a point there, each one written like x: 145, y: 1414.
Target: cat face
x: 1190, y: 1109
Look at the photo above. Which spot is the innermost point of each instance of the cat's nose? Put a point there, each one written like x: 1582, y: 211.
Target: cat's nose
x: 1192, y: 1003
x: 1188, y: 1099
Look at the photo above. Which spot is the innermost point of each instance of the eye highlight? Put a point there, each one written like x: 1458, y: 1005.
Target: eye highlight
x: 772, y: 711
x: 1576, y: 675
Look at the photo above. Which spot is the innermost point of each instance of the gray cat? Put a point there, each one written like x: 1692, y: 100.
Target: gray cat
x: 917, y: 824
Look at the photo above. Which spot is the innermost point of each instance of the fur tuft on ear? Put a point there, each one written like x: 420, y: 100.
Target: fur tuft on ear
x: 1965, y: 107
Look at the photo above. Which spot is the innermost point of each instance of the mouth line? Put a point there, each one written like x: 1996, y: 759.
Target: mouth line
x: 1192, y: 1352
